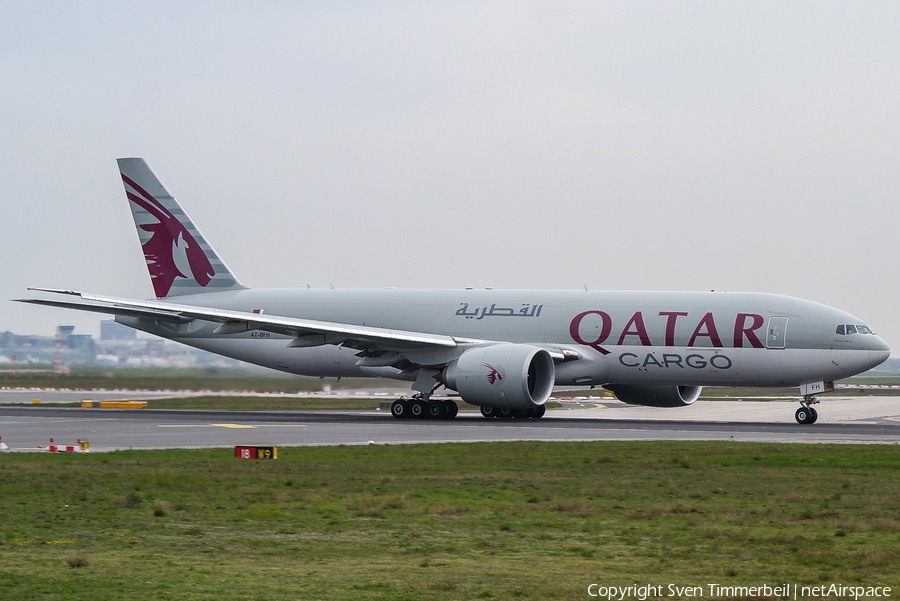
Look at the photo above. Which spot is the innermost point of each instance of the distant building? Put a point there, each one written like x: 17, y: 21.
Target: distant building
x: 80, y: 341
x: 63, y: 332
x: 111, y: 330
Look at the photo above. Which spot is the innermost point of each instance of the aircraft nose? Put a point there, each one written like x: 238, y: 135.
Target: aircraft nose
x: 879, y: 351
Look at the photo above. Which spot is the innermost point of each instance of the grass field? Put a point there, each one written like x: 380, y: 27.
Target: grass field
x: 249, y: 403
x: 246, y: 403
x: 218, y: 379
x: 462, y: 521
x: 711, y: 393
x: 243, y: 403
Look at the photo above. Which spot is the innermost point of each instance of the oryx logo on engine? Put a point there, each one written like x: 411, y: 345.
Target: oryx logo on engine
x: 494, y: 375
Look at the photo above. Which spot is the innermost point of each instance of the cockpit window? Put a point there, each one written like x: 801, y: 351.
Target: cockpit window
x: 848, y: 328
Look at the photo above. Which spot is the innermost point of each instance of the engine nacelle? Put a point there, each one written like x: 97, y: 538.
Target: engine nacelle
x: 517, y: 376
x: 656, y: 396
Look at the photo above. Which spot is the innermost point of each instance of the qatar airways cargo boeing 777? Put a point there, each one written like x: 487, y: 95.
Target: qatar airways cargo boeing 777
x: 500, y: 350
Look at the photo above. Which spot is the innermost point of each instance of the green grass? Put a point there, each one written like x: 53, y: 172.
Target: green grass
x: 733, y: 394
x: 250, y: 403
x: 786, y: 394
x: 212, y: 378
x: 233, y: 403
x: 464, y: 521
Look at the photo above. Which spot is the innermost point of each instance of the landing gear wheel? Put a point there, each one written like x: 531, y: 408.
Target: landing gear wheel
x: 522, y: 413
x: 400, y: 409
x: 417, y: 408
x: 806, y: 414
x: 434, y: 409
x: 538, y: 412
x: 488, y: 411
x: 450, y: 409
x: 504, y: 412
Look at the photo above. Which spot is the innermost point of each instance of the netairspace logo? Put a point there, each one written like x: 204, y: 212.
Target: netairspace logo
x: 783, y: 591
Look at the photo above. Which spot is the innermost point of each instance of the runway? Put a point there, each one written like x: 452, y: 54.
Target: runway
x: 24, y: 428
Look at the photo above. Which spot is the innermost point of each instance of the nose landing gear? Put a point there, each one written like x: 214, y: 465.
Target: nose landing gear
x: 806, y: 414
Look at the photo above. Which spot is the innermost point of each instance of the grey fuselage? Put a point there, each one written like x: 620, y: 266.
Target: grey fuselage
x: 683, y: 338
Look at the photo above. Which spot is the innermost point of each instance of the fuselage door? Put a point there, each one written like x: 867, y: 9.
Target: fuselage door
x: 775, y: 333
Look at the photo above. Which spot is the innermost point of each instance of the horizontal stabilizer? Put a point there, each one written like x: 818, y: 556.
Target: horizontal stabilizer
x: 145, y: 313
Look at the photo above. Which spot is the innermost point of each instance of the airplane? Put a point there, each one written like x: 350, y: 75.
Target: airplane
x: 502, y: 351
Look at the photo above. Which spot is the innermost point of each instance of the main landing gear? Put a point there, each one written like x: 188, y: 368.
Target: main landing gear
x: 422, y: 406
x: 806, y: 414
x: 534, y: 413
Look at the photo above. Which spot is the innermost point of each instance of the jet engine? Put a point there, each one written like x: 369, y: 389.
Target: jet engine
x: 656, y: 396
x: 514, y: 376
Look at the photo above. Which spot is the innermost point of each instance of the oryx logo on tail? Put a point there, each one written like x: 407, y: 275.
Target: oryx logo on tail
x: 170, y: 244
x: 178, y: 257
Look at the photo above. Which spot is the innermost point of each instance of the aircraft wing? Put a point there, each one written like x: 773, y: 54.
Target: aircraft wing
x: 307, y: 332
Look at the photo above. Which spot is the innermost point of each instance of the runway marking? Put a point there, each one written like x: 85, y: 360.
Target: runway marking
x: 230, y: 426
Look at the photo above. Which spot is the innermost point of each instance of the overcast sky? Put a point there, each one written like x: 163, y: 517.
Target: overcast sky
x: 680, y: 146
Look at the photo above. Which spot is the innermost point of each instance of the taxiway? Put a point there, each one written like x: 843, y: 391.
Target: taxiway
x: 852, y: 420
